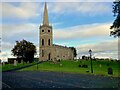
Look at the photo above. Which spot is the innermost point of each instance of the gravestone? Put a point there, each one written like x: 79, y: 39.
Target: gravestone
x: 15, y: 63
x: 110, y: 71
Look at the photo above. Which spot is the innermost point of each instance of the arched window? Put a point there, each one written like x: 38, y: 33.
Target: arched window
x: 42, y: 42
x: 49, y: 42
x: 42, y: 53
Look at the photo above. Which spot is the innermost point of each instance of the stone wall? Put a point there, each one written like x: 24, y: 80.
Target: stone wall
x: 62, y: 52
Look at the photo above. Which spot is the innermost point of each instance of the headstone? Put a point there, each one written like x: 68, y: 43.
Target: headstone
x: 100, y: 65
x: 15, y: 63
x: 110, y: 71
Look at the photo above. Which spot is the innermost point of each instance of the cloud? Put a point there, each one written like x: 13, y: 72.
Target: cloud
x: 17, y: 31
x: 28, y: 31
x: 104, y: 49
x: 57, y: 0
x: 27, y: 10
x: 86, y: 8
x: 3, y: 54
x: 22, y: 11
x: 83, y: 31
x: 7, y: 46
x: 6, y: 50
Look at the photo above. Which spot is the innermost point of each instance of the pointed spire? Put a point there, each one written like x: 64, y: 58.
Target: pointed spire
x: 45, y: 19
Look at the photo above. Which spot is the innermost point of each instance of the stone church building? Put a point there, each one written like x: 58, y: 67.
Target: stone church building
x: 48, y: 50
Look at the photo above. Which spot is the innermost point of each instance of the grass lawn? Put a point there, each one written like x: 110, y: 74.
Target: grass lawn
x: 70, y: 66
x: 11, y: 66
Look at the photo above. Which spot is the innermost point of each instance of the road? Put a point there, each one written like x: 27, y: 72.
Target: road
x: 41, y: 79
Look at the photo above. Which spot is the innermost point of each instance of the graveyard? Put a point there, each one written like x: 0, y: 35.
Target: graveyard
x: 6, y: 67
x: 100, y: 67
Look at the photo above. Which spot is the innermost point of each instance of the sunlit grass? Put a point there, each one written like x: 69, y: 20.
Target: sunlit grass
x: 11, y: 66
x: 70, y: 66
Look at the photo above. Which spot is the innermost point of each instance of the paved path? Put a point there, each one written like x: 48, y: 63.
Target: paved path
x: 35, y: 79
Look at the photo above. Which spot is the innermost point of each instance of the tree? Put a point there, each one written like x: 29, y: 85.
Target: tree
x: 75, y: 52
x: 24, y: 50
x: 116, y: 23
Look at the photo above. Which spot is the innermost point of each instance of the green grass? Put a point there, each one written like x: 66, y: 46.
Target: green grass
x: 70, y: 66
x: 11, y: 66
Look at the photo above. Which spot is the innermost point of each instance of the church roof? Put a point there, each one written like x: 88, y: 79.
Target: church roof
x: 55, y: 45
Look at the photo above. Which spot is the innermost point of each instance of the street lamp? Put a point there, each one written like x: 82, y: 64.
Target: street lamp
x: 90, y: 52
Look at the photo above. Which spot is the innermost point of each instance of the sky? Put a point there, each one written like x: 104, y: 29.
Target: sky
x: 83, y: 25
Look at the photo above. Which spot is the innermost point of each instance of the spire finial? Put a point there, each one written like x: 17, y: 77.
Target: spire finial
x: 45, y: 19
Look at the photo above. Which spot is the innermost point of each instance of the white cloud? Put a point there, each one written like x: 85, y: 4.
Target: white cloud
x: 32, y: 30
x: 104, y: 49
x: 3, y: 54
x: 26, y: 10
x: 6, y: 51
x: 86, y: 8
x: 28, y: 30
x: 83, y: 31
x: 7, y: 46
x: 57, y: 0
x: 22, y: 11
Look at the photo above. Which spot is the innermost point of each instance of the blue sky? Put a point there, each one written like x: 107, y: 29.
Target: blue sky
x: 84, y: 25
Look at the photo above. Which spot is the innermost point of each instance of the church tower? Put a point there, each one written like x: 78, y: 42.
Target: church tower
x: 46, y: 38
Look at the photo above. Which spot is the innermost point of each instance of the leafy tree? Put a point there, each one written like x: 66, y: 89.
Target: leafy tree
x: 24, y: 50
x: 116, y: 23
x: 75, y: 52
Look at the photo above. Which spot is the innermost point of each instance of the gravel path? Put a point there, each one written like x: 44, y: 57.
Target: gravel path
x: 35, y: 79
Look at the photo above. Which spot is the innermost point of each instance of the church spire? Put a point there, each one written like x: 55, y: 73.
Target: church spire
x: 45, y: 18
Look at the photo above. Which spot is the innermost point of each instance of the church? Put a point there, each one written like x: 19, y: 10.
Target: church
x: 48, y: 50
